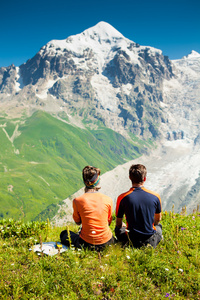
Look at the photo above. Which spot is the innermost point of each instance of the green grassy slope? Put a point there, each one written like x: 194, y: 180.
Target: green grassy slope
x: 43, y: 164
x: 171, y: 271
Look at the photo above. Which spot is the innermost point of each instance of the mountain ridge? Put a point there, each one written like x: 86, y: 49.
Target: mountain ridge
x: 63, y: 77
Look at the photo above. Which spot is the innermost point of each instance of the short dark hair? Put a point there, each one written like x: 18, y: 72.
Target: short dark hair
x: 88, y: 172
x: 137, y: 173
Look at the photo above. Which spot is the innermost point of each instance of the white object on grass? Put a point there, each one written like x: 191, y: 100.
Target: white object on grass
x: 49, y: 248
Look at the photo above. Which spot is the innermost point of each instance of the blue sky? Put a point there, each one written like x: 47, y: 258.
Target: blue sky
x: 26, y: 25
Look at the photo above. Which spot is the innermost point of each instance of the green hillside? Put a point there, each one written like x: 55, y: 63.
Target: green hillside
x: 41, y: 164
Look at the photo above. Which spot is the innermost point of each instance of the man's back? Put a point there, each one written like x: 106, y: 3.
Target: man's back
x: 139, y: 206
x: 142, y: 209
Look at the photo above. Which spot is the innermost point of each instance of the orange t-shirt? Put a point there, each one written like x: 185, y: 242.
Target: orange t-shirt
x: 94, y: 211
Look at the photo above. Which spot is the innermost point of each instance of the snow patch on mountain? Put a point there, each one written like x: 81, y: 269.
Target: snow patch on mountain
x: 106, y: 95
x: 126, y: 88
x: 43, y: 94
x: 45, y: 88
x: 19, y: 81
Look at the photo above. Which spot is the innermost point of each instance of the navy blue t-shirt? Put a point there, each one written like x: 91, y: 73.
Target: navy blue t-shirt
x: 139, y: 206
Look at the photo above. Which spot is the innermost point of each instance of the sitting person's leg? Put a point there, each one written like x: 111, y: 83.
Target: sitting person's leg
x: 137, y: 240
x: 74, y: 238
x: 155, y: 239
x: 159, y: 229
x: 96, y: 247
x: 121, y: 234
x: 78, y: 242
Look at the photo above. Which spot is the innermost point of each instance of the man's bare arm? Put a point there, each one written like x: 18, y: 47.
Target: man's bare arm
x: 78, y: 223
x: 157, y: 218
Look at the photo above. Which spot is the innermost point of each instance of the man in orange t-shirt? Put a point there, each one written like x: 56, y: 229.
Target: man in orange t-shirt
x: 92, y: 210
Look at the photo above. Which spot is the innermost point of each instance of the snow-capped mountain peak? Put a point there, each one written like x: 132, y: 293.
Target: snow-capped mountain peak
x: 193, y: 54
x: 101, y: 37
x: 189, y: 65
x: 103, y: 30
x: 94, y: 37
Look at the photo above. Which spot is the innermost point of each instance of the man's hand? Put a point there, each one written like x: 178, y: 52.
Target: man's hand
x: 157, y: 218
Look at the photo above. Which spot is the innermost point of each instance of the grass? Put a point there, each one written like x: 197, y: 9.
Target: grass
x: 172, y: 270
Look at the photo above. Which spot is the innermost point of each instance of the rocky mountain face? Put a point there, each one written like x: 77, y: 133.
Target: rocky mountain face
x: 100, y: 77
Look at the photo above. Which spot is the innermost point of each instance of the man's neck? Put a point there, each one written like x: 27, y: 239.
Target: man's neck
x: 135, y: 185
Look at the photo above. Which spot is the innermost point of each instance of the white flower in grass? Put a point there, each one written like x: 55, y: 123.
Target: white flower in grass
x: 128, y: 257
x: 181, y: 270
x: 166, y: 269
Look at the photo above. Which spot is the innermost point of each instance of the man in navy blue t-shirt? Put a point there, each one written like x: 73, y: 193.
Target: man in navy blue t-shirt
x: 142, y: 209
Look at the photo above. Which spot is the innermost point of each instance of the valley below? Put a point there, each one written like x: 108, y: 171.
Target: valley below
x: 173, y: 170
